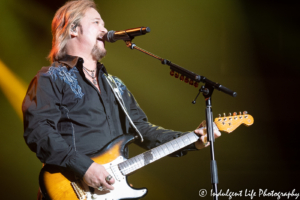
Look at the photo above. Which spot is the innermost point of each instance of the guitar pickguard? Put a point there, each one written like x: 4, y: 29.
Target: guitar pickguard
x: 122, y: 189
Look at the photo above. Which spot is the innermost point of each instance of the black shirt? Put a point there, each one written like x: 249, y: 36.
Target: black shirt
x: 66, y: 119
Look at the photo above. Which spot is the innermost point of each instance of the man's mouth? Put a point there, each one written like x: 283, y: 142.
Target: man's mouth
x: 100, y: 39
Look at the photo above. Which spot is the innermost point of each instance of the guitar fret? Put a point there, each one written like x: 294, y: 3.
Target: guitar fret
x: 170, y: 147
x: 126, y: 166
x: 121, y: 167
x: 140, y: 158
x: 193, y: 137
x: 175, y: 145
x: 134, y: 163
x: 131, y: 164
x: 165, y: 149
x: 180, y: 142
x: 156, y: 153
x: 186, y: 140
x: 137, y: 162
x: 131, y: 169
x: 160, y: 151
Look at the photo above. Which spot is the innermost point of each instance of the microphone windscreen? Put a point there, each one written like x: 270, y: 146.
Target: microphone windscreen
x: 109, y: 36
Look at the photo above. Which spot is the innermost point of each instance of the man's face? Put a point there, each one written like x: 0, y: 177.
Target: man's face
x: 91, y: 33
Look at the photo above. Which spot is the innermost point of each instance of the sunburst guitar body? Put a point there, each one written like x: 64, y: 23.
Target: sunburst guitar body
x: 57, y: 183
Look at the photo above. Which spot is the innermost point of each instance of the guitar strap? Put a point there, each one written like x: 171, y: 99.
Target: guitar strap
x: 116, y: 90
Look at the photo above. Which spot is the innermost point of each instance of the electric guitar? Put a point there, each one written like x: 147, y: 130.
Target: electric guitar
x: 59, y: 184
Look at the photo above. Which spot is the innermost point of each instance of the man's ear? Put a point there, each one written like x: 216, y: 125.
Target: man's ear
x: 73, y: 31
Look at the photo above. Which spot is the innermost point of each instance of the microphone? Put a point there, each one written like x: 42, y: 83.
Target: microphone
x: 128, y: 34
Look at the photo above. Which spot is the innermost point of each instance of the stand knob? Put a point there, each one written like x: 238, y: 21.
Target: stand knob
x: 186, y: 80
x: 172, y: 73
x: 181, y: 77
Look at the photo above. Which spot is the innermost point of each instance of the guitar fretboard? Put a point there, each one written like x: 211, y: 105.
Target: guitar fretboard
x: 156, y: 153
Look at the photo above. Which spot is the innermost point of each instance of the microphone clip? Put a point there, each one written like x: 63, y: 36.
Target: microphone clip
x: 129, y: 44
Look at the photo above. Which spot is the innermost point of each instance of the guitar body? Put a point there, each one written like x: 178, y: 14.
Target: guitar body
x: 59, y: 184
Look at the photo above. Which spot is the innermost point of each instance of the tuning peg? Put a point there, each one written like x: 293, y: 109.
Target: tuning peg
x: 241, y: 117
x: 224, y: 114
x: 181, y: 77
x: 172, y: 73
x: 234, y: 114
x: 196, y: 84
x: 245, y: 112
x: 191, y: 82
x: 176, y: 75
x: 220, y: 119
x: 230, y: 118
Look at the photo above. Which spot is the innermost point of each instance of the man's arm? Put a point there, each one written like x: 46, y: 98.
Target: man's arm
x: 41, y: 110
x: 156, y: 135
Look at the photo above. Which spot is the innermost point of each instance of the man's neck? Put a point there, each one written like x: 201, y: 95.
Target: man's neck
x: 89, y: 63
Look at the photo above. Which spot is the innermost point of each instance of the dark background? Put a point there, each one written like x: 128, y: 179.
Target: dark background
x: 251, y: 47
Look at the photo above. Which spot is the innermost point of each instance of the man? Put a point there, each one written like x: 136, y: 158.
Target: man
x: 70, y: 111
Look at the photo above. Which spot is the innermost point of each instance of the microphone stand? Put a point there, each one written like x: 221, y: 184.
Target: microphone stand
x: 207, y: 90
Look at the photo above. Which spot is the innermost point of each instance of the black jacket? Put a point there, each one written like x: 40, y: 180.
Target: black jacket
x: 66, y: 119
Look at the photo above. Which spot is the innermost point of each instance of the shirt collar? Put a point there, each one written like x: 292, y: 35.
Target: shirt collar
x: 72, y: 61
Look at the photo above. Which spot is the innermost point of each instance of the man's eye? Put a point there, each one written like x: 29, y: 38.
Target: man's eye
x: 96, y: 22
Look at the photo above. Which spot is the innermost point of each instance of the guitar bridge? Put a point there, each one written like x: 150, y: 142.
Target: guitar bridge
x: 77, y: 187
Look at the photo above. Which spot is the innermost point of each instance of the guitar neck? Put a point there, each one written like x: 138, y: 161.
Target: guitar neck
x: 156, y: 153
x: 227, y: 124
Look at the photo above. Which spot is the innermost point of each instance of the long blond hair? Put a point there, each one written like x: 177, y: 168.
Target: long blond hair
x: 69, y: 14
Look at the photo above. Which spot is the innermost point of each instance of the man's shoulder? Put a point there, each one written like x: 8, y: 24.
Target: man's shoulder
x: 116, y: 82
x: 119, y: 81
x: 56, y: 70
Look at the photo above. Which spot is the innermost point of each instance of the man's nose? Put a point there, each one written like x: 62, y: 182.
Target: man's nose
x: 104, y: 30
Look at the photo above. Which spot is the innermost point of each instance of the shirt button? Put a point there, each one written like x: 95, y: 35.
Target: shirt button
x: 80, y: 60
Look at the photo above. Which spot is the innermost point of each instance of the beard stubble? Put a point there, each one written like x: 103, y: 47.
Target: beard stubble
x: 98, y: 53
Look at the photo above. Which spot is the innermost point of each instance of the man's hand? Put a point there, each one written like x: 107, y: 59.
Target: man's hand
x: 95, y: 177
x: 202, y: 142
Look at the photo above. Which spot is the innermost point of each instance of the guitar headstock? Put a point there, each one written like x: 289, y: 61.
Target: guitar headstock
x: 230, y: 123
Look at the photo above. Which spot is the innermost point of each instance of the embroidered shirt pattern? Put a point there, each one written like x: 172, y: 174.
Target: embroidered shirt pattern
x: 120, y: 84
x: 68, y: 76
